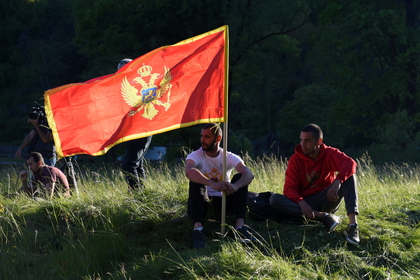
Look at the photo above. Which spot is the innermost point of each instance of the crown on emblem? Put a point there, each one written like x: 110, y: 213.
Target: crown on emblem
x: 145, y: 70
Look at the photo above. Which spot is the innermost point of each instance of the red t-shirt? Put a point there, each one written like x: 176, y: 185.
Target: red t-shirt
x: 51, y: 174
x: 305, y: 176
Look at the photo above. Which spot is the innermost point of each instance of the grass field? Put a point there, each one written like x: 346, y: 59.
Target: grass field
x: 109, y: 233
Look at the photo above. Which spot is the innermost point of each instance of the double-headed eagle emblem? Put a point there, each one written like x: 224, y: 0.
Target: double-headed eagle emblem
x: 149, y: 95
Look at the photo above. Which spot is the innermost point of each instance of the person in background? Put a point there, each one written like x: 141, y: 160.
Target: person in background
x: 204, y: 168
x: 40, y: 138
x: 135, y: 150
x: 45, y: 179
x: 317, y: 179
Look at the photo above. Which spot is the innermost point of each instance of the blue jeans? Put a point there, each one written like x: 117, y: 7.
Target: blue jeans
x: 50, y: 161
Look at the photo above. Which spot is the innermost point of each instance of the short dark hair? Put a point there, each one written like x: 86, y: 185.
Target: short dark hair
x: 315, y: 130
x: 214, y: 127
x: 36, y: 156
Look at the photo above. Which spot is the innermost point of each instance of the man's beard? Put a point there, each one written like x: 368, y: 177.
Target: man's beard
x: 209, y: 148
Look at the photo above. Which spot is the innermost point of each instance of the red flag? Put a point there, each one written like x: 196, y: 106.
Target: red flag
x: 171, y: 87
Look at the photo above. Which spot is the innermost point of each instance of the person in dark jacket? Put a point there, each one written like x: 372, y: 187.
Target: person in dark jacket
x: 135, y: 150
x: 40, y: 138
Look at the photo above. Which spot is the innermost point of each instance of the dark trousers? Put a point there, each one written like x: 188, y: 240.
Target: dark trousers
x: 198, y: 205
x: 319, y: 202
x: 133, y: 162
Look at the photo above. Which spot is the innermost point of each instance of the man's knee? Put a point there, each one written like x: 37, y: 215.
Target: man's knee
x: 191, y: 184
x: 196, y: 190
x: 350, y: 181
x: 236, y: 177
x: 349, y: 186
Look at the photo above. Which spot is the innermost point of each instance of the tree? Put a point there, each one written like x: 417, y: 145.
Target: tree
x: 37, y: 54
x: 368, y: 51
x: 261, y: 49
x: 359, y: 59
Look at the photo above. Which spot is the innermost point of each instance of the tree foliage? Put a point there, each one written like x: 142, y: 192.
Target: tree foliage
x: 367, y: 51
x: 352, y: 67
x: 37, y: 54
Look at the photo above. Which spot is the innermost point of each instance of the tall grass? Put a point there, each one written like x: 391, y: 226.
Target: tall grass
x: 107, y: 232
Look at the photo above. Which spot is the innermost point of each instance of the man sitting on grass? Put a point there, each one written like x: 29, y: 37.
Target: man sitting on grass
x: 204, y: 168
x: 317, y: 178
x: 45, y: 178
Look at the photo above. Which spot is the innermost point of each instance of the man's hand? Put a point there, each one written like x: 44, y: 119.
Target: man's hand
x: 307, y: 210
x: 24, y: 179
x: 332, y: 193
x: 23, y: 175
x: 219, y: 186
x: 18, y: 153
x: 231, y: 188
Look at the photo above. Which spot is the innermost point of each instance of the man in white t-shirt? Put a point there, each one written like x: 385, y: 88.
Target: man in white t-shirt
x: 204, y: 168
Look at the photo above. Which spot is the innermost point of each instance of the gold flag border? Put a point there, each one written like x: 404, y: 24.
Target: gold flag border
x: 53, y: 125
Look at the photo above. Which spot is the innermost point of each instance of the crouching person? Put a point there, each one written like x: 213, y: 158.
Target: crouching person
x: 45, y: 179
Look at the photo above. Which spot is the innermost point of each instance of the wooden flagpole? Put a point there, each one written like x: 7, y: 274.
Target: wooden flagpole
x: 225, y: 128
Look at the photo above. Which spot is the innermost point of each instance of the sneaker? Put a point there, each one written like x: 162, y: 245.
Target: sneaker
x: 330, y: 222
x: 352, y: 234
x: 199, y: 239
x: 245, y: 236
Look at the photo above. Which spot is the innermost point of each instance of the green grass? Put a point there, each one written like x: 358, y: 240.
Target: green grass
x: 109, y: 233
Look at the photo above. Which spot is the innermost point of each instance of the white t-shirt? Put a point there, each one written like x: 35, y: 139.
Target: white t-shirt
x: 212, y: 167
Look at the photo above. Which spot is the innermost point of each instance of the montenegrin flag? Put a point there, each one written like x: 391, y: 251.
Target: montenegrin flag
x: 168, y: 88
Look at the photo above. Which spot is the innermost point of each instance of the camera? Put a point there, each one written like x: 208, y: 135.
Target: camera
x: 37, y: 113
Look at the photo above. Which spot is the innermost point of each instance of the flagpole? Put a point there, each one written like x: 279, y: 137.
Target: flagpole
x: 225, y: 128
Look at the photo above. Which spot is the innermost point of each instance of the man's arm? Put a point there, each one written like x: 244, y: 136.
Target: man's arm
x: 26, y: 187
x: 28, y: 138
x: 50, y: 189
x: 307, y: 210
x: 291, y: 184
x: 293, y: 180
x: 57, y: 180
x: 196, y: 176
x: 45, y: 136
x: 345, y: 165
x: 332, y: 193
x: 245, y: 180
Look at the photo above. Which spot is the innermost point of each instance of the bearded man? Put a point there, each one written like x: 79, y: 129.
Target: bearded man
x: 204, y: 169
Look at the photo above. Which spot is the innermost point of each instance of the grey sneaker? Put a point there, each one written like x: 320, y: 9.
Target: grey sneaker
x: 199, y: 239
x: 330, y: 222
x: 352, y: 234
x: 244, y: 235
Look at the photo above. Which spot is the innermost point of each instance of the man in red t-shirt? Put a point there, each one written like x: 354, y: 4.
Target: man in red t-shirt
x: 317, y: 178
x: 45, y: 177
